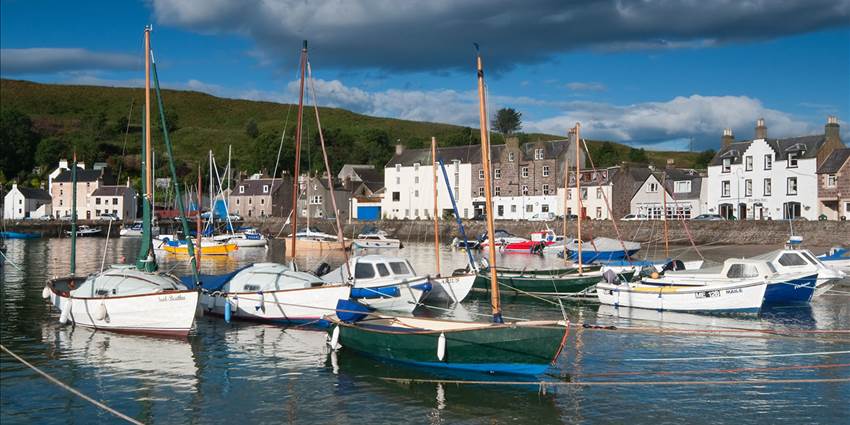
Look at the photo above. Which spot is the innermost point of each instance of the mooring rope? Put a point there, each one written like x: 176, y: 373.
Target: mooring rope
x: 7, y: 260
x: 70, y: 389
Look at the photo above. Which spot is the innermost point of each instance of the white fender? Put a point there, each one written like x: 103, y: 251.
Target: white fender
x: 441, y: 346
x: 66, y: 312
x: 100, y: 312
x: 334, y: 342
x: 45, y: 293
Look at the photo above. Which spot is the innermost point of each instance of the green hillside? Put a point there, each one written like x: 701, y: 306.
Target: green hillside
x: 93, y: 120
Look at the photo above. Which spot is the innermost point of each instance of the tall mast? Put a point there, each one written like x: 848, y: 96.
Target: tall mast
x: 212, y: 197
x: 664, y: 213
x: 148, y: 182
x: 578, y: 194
x: 298, y: 150
x: 566, y: 204
x: 198, y: 230
x: 436, y: 218
x: 488, y: 196
x: 74, y: 214
x: 146, y: 260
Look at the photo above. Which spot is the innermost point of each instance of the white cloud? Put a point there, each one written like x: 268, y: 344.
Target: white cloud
x: 50, y: 60
x: 586, y: 86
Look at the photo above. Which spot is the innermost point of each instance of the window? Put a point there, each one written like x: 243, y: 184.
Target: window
x: 529, y: 208
x: 106, y: 201
x: 241, y: 189
x: 525, y: 190
x: 249, y: 201
x: 396, y: 196
x: 545, y: 171
x: 682, y: 186
x: 569, y: 194
x: 498, y: 173
x: 262, y: 201
x: 480, y: 174
x: 748, y: 163
x: 525, y: 172
x: 742, y: 270
x: 416, y: 193
x: 584, y: 193
x: 364, y: 271
x: 748, y: 187
x: 792, y: 160
x: 727, y: 165
x: 316, y: 200
x: 538, y: 154
x: 398, y: 180
x: 399, y: 267
x: 398, y: 168
x: 792, y: 185
x: 831, y: 180
x: 61, y: 192
x: 510, y: 157
x: 237, y: 201
x: 791, y: 259
x: 415, y: 167
x: 768, y: 162
x: 97, y: 201
x: 598, y: 213
x: 497, y: 191
x: 544, y: 208
x: 809, y: 258
x: 545, y: 189
x: 513, y: 208
x: 767, y: 187
x: 481, y: 191
x: 652, y: 187
x: 598, y: 193
x: 265, y: 188
x: 500, y: 211
x: 416, y: 212
x: 114, y: 201
x: 726, y: 189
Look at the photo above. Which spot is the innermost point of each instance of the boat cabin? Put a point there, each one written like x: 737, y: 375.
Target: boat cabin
x: 124, y: 280
x: 373, y: 269
x: 270, y: 277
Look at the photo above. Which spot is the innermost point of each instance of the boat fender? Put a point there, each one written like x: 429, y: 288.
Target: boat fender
x: 45, y: 293
x: 441, y: 346
x: 334, y: 342
x: 227, y: 310
x: 100, y: 312
x: 262, y: 305
x: 65, y: 312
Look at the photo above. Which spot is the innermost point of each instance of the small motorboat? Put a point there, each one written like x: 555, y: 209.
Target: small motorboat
x: 837, y: 258
x: 207, y: 247
x: 601, y: 249
x: 793, y: 259
x: 246, y: 238
x: 618, y: 266
x: 382, y: 282
x: 538, y: 242
x: 20, y: 235
x: 135, y: 230
x: 502, y: 238
x: 375, y: 239
x: 84, y: 230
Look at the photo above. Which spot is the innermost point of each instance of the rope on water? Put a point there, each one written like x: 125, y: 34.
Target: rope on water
x: 7, y: 260
x: 70, y: 389
x: 545, y: 384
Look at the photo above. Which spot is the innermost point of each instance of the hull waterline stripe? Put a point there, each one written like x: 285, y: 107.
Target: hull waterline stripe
x: 545, y: 384
x: 752, y: 356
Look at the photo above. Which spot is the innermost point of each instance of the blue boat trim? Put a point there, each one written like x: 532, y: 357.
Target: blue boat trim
x: 794, y: 291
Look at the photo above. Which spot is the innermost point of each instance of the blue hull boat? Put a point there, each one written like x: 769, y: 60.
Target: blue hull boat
x: 795, y: 291
x: 19, y: 235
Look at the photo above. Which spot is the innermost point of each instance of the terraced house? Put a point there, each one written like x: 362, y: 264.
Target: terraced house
x: 834, y: 185
x: 769, y: 179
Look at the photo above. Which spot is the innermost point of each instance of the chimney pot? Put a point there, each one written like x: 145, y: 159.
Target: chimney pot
x: 399, y: 149
x: 831, y: 129
x: 727, y: 138
x: 761, y: 129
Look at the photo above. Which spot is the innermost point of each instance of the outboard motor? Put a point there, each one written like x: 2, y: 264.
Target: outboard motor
x: 673, y: 266
x: 322, y: 269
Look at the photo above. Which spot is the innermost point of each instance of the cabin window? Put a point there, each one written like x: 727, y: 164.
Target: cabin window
x: 382, y: 270
x: 101, y: 292
x: 809, y: 257
x: 364, y: 271
x: 748, y: 163
x: 742, y: 270
x: 791, y: 259
x: 545, y: 171
x: 525, y: 172
x: 399, y: 267
x: 252, y: 288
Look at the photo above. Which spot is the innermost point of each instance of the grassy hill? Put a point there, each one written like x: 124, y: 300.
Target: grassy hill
x: 73, y: 115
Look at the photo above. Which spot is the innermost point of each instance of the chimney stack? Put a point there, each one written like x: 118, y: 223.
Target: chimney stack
x: 831, y: 130
x: 512, y: 142
x: 761, y: 129
x: 727, y: 138
x: 399, y: 149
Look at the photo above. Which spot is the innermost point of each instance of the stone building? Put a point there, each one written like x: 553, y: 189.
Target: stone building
x: 834, y: 185
x: 88, y: 181
x: 118, y: 200
x: 315, y: 198
x: 261, y: 196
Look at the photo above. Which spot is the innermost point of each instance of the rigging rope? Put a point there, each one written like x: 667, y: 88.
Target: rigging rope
x: 607, y: 203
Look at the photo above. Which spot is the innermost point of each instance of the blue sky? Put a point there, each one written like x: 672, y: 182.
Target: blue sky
x: 648, y: 73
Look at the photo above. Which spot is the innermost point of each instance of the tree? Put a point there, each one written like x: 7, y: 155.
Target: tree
x: 638, y: 155
x: 18, y: 142
x: 50, y: 150
x: 507, y: 121
x: 606, y: 155
x: 704, y: 158
x: 251, y: 129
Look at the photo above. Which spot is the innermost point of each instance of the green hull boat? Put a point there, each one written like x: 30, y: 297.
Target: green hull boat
x: 469, y: 346
x: 554, y: 285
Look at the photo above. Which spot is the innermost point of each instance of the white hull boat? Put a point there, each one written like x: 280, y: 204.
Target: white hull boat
x: 790, y: 260
x: 382, y: 282
x: 742, y: 296
x: 622, y: 266
x: 451, y: 289
x: 377, y: 240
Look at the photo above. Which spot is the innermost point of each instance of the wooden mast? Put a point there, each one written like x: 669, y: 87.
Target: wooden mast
x: 436, y: 218
x: 298, y: 151
x: 488, y: 196
x: 148, y: 180
x: 74, y: 215
x: 198, y: 224
x: 566, y: 204
x: 664, y: 213
x: 578, y: 195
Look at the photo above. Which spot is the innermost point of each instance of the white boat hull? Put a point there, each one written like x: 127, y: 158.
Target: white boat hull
x: 301, y: 305
x: 250, y: 243
x: 163, y: 313
x: 407, y: 301
x: 453, y: 289
x: 746, y: 296
x: 689, y: 265
x: 376, y: 244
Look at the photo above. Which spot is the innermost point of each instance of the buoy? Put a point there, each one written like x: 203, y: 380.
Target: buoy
x: 334, y: 342
x: 654, y: 275
x: 66, y: 312
x: 441, y: 346
x: 227, y: 310
x: 100, y: 312
x: 45, y: 293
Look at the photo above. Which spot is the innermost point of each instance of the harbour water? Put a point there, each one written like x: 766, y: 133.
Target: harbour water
x: 649, y: 368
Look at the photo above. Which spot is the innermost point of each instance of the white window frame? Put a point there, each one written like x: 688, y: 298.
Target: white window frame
x: 497, y: 173
x: 768, y: 187
x: 682, y: 186
x: 768, y: 162
x: 748, y: 163
x: 510, y: 157
x: 793, y: 160
x: 545, y: 189
x: 524, y: 190
x: 789, y: 183
x: 481, y: 174
x: 545, y: 171
x: 727, y: 165
x: 265, y: 188
x: 524, y: 172
x: 748, y: 188
x: 725, y: 189
x: 241, y: 189
x: 831, y: 180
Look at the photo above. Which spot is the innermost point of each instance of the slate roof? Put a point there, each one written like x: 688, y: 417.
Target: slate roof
x: 114, y: 191
x: 464, y: 154
x: 255, y: 187
x: 806, y: 146
x: 82, y: 175
x: 834, y: 161
x: 370, y: 174
x: 30, y: 193
x: 680, y: 174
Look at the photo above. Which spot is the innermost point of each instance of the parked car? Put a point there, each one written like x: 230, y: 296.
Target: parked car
x: 549, y: 216
x: 634, y: 217
x: 709, y: 217
x: 108, y: 217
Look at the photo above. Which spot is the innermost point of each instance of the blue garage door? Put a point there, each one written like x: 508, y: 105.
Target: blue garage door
x: 368, y: 213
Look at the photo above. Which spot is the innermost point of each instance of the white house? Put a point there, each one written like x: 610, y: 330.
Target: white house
x: 23, y: 202
x: 118, y: 200
x: 680, y: 192
x: 597, y: 194
x: 768, y: 179
x: 409, y: 182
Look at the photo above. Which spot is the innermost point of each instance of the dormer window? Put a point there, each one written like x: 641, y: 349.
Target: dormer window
x: 682, y: 186
x: 792, y: 159
x: 727, y: 165
x: 398, y: 167
x: 241, y: 189
x: 538, y: 154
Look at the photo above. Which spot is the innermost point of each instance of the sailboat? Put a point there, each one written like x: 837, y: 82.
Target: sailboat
x: 202, y: 245
x: 129, y: 298
x: 527, y: 348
